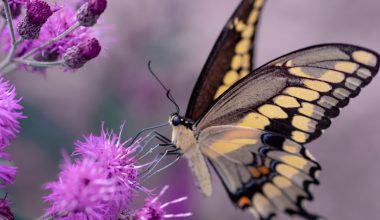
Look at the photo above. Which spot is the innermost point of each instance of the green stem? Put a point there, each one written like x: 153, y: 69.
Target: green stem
x: 35, y: 63
x: 8, y: 16
x: 10, y: 56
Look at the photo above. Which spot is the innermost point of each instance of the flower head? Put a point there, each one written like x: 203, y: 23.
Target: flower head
x: 38, y: 11
x: 90, y: 11
x: 118, y: 160
x: 9, y: 113
x: 83, y: 191
x: 76, y: 56
x: 155, y: 210
x: 101, y: 182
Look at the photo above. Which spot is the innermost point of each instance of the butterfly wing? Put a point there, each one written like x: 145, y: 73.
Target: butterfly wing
x: 262, y: 172
x: 297, y: 94
x: 230, y: 59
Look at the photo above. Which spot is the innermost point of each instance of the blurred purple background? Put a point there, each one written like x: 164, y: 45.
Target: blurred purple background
x: 177, y: 36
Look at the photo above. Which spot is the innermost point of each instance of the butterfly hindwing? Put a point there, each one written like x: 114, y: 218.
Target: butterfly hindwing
x: 296, y: 95
x: 230, y: 59
x: 263, y: 172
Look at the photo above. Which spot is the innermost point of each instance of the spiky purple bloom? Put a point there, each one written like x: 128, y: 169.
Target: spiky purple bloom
x: 83, y: 191
x: 5, y: 210
x: 76, y: 56
x: 10, y: 113
x: 155, y: 210
x: 89, y: 13
x: 37, y: 14
x: 101, y: 182
x: 119, y: 161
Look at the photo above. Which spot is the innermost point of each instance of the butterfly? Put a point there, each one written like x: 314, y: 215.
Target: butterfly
x: 250, y: 126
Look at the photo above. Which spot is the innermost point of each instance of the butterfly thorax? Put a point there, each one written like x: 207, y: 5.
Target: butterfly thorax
x: 182, y: 133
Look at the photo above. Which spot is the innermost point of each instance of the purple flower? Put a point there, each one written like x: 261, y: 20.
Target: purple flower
x: 76, y: 56
x: 90, y: 11
x: 5, y: 210
x: 83, y: 191
x: 119, y: 161
x: 155, y: 210
x: 10, y: 113
x: 37, y: 14
x: 102, y: 181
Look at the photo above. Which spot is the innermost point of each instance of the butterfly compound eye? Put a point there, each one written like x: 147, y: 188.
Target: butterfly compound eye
x: 176, y: 120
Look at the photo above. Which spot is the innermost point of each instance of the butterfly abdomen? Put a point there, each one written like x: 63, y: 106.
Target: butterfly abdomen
x: 183, y: 138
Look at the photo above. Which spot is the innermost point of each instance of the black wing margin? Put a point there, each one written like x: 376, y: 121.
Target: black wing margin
x: 230, y: 59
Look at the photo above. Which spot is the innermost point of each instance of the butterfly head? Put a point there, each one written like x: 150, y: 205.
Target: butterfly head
x: 177, y: 120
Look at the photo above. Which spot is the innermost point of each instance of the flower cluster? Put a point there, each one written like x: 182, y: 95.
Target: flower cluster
x: 47, y: 36
x: 102, y: 182
x: 10, y: 114
x: 9, y: 127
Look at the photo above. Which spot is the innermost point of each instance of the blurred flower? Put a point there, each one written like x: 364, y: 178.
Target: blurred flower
x: 61, y: 20
x: 90, y: 11
x: 155, y: 210
x: 51, y: 33
x: 83, y: 191
x: 76, y: 56
x: 37, y: 14
x: 9, y: 113
x: 15, y: 6
x: 5, y: 210
x: 7, y: 172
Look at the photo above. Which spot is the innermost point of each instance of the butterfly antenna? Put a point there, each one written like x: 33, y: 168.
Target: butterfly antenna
x: 168, y: 93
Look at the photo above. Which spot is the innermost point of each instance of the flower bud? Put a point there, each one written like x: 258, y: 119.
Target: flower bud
x: 75, y: 57
x: 37, y: 14
x: 28, y: 30
x: 90, y: 11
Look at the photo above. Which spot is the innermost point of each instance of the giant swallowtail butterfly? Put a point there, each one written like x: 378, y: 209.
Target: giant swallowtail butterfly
x: 251, y: 125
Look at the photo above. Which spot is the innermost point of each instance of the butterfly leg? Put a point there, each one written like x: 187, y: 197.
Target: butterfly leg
x: 152, y: 169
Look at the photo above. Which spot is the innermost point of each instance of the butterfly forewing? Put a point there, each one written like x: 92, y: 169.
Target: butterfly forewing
x: 298, y: 94
x: 263, y: 172
x: 230, y: 59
